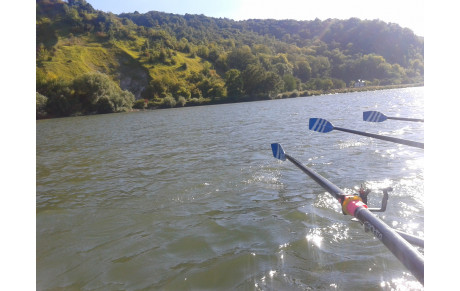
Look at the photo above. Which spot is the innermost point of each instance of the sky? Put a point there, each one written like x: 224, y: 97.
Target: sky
x: 406, y: 13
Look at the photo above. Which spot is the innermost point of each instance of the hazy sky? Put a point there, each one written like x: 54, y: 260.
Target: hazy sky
x: 407, y: 13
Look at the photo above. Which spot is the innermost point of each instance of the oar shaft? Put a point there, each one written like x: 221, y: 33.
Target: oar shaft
x: 405, y: 252
x: 383, y: 137
x: 325, y: 183
x: 412, y: 239
x: 406, y: 119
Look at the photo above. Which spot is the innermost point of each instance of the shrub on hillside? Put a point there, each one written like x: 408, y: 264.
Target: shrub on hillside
x: 98, y: 93
x: 169, y: 102
x: 139, y: 104
x: 181, y: 101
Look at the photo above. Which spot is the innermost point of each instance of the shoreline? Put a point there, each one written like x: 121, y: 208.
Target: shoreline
x: 293, y: 94
x: 284, y: 95
x: 353, y: 89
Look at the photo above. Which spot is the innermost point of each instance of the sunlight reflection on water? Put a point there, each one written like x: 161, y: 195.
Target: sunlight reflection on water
x: 315, y: 237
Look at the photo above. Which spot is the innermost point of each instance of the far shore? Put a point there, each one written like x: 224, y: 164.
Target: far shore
x: 350, y: 90
x: 285, y: 95
x: 297, y: 93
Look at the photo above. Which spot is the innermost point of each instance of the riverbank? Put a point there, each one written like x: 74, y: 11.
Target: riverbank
x: 307, y: 93
x: 293, y: 94
x: 284, y: 95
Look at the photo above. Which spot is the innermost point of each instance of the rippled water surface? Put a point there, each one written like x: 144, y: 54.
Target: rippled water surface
x: 192, y: 198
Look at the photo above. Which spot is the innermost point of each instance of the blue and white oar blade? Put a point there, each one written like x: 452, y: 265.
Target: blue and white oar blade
x: 374, y: 116
x: 278, y: 151
x: 320, y: 125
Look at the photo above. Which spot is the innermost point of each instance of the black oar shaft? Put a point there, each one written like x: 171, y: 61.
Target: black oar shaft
x: 383, y: 137
x: 406, y: 119
x: 415, y: 240
x: 405, y: 252
x: 325, y: 183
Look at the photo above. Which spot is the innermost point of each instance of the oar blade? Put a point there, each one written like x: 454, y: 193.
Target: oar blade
x: 320, y: 125
x: 374, y: 116
x: 278, y: 151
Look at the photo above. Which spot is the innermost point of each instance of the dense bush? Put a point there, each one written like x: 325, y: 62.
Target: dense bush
x: 89, y: 93
x: 140, y: 104
x: 98, y: 93
x: 40, y: 105
x: 169, y: 102
x: 181, y: 101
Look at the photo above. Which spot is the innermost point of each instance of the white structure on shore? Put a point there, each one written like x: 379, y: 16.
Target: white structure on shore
x: 360, y: 83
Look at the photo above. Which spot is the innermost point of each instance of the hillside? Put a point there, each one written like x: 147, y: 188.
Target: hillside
x: 166, y: 60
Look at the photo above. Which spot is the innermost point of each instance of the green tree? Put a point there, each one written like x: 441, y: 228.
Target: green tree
x: 234, y: 83
x: 97, y: 92
x: 282, y: 65
x: 140, y: 104
x: 61, y: 100
x: 253, y: 77
x: 320, y: 66
x: 272, y: 83
x: 302, y: 70
x: 256, y: 80
x: 122, y: 101
x: 203, y: 51
x: 372, y: 67
x: 212, y: 87
x: 63, y: 103
x: 184, y: 92
x: 158, y: 87
x: 41, y: 101
x: 90, y: 87
x: 283, y: 69
x: 240, y: 58
x: 162, y: 56
x: 320, y: 84
x: 338, y: 84
x: 73, y: 16
x: 169, y: 101
x: 416, y: 68
x: 290, y: 83
x: 181, y: 101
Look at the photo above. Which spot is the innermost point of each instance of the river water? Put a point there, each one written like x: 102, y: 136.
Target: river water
x: 192, y: 198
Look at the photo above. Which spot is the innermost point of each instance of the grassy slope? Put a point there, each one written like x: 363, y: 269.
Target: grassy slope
x: 79, y: 55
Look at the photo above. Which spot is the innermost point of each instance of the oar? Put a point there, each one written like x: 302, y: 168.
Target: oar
x: 415, y: 240
x: 375, y: 116
x: 322, y: 125
x: 353, y: 205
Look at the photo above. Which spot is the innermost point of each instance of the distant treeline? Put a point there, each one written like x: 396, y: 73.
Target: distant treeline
x: 167, y: 60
